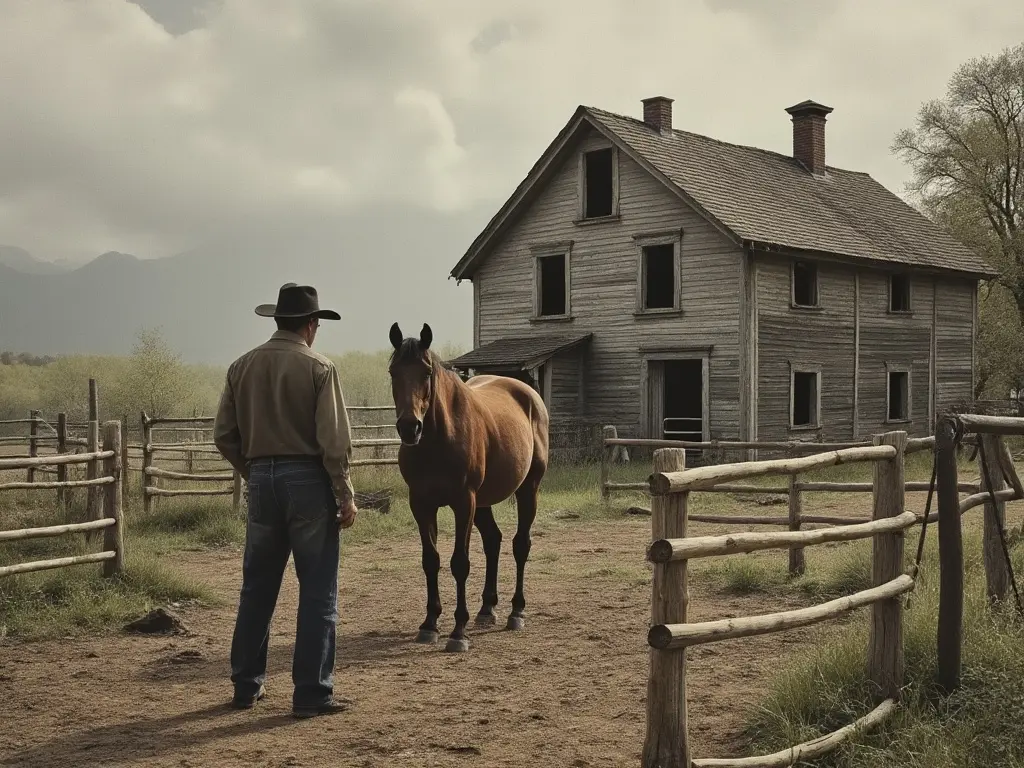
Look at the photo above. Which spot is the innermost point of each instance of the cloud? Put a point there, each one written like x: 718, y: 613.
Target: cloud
x: 155, y: 133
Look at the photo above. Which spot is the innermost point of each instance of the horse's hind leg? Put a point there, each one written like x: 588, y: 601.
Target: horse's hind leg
x: 526, y: 506
x: 491, y: 536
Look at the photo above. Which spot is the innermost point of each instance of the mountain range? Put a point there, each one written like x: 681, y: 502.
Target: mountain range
x: 203, y: 300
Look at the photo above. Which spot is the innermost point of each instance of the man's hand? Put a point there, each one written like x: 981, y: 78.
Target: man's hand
x: 347, y: 512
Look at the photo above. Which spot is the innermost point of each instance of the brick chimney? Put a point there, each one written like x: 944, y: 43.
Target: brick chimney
x: 809, y: 135
x: 658, y: 113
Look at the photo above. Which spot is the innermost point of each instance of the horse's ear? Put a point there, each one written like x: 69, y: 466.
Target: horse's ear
x: 395, y: 336
x: 426, y: 336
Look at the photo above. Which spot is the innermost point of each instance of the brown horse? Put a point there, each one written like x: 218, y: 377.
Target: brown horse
x: 468, y: 446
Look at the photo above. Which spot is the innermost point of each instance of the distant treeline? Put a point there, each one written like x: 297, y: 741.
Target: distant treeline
x: 24, y: 358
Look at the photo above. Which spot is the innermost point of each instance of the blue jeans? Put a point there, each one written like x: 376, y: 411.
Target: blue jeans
x: 292, y: 510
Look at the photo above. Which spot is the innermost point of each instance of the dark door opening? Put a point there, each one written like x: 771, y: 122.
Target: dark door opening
x: 684, y: 403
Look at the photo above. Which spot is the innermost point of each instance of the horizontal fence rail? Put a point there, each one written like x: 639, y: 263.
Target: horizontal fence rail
x: 666, y: 743
x: 105, y: 516
x: 670, y: 485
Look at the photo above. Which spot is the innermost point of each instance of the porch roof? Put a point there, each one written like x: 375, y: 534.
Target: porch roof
x: 519, y: 352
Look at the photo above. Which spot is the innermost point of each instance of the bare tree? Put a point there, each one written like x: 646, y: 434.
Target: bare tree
x: 967, y: 156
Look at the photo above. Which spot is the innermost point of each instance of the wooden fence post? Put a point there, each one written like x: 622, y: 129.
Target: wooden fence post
x: 997, y: 576
x: 113, y: 537
x: 797, y: 563
x: 33, y: 444
x: 885, y: 650
x: 951, y: 557
x: 667, y: 743
x: 124, y: 463
x: 147, y: 462
x: 93, y: 505
x: 607, y: 452
x: 62, y: 469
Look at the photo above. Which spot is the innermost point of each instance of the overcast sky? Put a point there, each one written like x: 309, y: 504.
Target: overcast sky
x: 155, y: 126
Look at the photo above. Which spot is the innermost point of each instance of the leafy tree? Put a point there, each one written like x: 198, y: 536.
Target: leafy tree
x: 155, y: 379
x: 967, y: 157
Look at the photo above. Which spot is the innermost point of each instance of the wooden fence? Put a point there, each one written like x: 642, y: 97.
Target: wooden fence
x: 151, y: 473
x: 63, y: 438
x: 108, y: 518
x: 1000, y: 483
x: 794, y: 488
x: 666, y: 743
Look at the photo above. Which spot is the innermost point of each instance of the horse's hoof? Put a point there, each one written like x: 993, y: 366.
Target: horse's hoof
x: 427, y: 637
x: 515, y: 623
x: 457, y: 645
x: 486, y: 620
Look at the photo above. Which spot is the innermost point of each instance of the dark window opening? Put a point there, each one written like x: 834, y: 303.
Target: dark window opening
x: 805, y: 284
x: 598, y: 183
x: 552, y: 285
x: 805, y: 399
x: 899, y: 396
x: 899, y: 293
x: 684, y: 404
x: 659, y: 276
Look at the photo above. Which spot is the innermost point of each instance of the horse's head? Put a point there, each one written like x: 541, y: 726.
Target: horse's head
x: 411, y: 369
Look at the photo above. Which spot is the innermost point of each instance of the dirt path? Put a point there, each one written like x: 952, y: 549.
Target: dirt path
x: 569, y: 691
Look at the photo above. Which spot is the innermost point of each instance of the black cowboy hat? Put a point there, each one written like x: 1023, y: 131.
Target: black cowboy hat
x: 296, y: 301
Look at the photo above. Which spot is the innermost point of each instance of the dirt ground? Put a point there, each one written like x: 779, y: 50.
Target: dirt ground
x: 567, y: 691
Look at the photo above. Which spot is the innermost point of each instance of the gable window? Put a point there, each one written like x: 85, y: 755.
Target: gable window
x: 899, y: 293
x: 805, y: 399
x: 553, y: 285
x: 805, y: 284
x: 598, y: 183
x: 898, y: 395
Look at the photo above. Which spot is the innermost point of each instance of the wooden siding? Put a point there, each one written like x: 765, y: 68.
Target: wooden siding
x: 603, y: 286
x: 898, y: 341
x: 855, y: 340
x: 799, y: 338
x: 566, y: 386
x: 954, y: 343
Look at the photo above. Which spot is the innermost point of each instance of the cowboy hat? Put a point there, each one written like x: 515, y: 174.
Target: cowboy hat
x: 296, y: 301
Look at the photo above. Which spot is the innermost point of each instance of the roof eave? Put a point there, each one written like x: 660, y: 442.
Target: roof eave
x: 763, y: 245
x: 545, y: 165
x: 670, y: 185
x: 464, y: 268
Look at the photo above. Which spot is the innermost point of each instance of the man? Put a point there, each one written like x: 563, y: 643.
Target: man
x: 282, y: 424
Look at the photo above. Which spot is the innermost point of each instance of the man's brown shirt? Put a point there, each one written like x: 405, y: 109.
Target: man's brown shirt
x: 284, y: 399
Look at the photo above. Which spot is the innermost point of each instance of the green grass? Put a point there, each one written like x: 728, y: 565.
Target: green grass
x: 67, y: 601
x: 825, y: 688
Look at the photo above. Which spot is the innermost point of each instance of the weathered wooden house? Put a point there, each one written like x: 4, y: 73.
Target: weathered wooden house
x: 678, y: 286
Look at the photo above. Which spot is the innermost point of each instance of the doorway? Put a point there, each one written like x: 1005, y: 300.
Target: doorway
x: 677, y: 408
x: 683, y: 400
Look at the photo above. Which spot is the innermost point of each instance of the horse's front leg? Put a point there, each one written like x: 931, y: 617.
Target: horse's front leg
x: 425, y: 515
x: 465, y: 509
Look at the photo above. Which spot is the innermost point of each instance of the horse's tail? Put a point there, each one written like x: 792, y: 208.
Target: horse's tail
x: 512, y: 500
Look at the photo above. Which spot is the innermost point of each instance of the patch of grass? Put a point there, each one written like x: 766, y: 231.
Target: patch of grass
x: 70, y: 600
x: 834, y: 571
x: 746, y: 574
x: 192, y: 521
x: 826, y: 688
x: 65, y: 601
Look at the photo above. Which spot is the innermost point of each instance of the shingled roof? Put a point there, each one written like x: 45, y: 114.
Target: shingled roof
x: 517, y: 352
x: 758, y: 197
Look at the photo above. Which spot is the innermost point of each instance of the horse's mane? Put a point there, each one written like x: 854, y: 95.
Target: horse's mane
x: 410, y: 352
